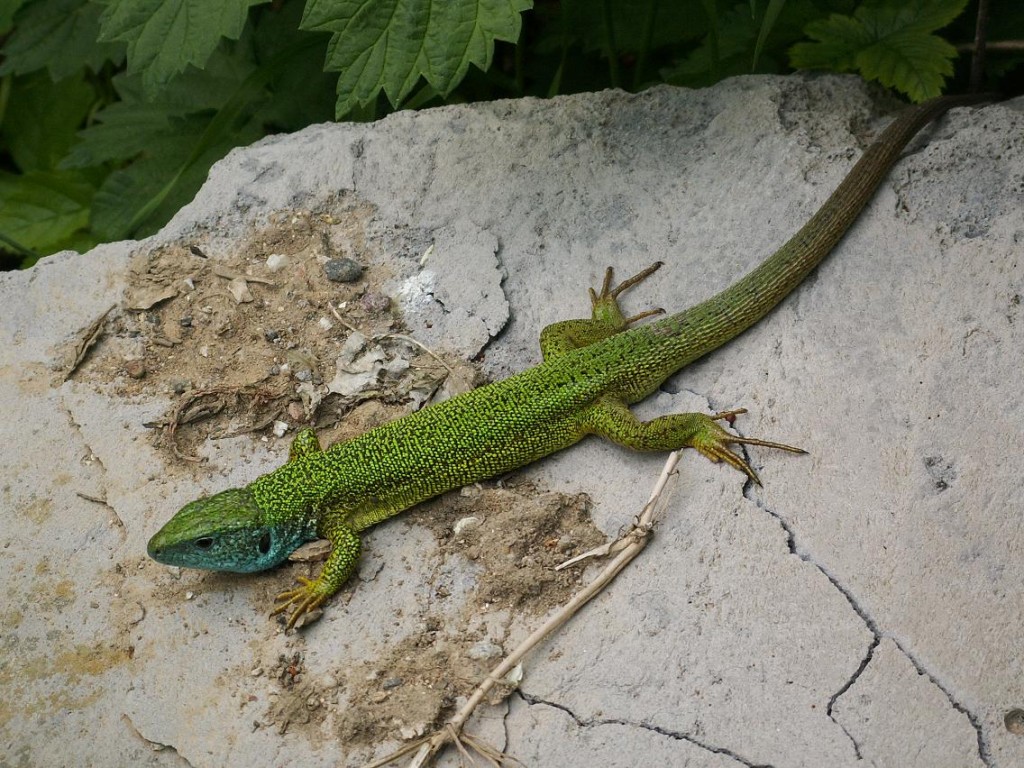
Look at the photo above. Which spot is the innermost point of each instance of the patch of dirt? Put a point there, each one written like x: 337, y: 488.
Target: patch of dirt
x: 510, y: 538
x: 263, y: 339
x: 516, y: 535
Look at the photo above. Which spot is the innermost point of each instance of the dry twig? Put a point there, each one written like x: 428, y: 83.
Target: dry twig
x: 627, y: 547
x: 87, y: 339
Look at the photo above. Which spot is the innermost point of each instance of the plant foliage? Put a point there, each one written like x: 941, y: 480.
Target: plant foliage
x: 113, y: 111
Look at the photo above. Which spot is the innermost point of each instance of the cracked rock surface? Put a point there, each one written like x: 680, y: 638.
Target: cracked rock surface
x: 863, y: 608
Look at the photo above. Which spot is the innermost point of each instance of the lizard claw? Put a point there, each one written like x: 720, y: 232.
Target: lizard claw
x: 714, y: 443
x: 305, y: 599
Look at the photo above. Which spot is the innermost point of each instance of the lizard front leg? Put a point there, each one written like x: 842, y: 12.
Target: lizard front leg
x: 345, y: 549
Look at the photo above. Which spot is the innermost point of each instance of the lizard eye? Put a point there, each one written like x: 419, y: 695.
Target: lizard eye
x: 204, y: 543
x: 264, y: 544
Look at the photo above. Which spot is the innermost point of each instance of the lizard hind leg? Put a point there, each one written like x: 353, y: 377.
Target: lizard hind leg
x: 611, y: 418
x: 606, y: 318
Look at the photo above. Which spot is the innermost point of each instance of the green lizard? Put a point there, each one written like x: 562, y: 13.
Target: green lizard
x: 591, y: 371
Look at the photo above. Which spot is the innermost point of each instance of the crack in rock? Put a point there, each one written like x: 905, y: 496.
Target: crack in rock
x: 76, y: 428
x: 156, y: 746
x: 590, y: 722
x: 877, y: 635
x: 983, y: 749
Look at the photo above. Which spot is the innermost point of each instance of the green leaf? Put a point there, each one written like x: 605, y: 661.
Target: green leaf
x: 42, y: 118
x: 7, y: 10
x: 165, y: 37
x: 140, y: 198
x: 673, y: 22
x: 770, y: 16
x: 60, y: 35
x: 390, y: 44
x: 135, y: 125
x: 740, y: 36
x: 124, y: 130
x: 914, y: 63
x: 41, y: 209
x: 302, y: 93
x: 841, y: 39
x: 144, y: 195
x: 891, y: 42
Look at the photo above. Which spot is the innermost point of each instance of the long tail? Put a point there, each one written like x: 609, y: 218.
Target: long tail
x: 708, y: 325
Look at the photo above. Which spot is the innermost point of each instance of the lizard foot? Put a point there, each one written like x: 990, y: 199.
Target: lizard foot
x: 713, y: 442
x: 305, y: 599
x: 610, y: 295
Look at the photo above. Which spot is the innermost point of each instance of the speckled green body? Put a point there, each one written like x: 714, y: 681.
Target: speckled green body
x: 592, y: 370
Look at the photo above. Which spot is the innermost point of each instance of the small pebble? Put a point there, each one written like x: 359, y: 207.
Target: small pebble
x: 328, y: 681
x: 180, y: 386
x: 276, y: 262
x: 304, y: 375
x: 342, y: 270
x: 392, y: 682
x: 136, y: 369
x: 465, y: 523
x: 239, y: 290
x: 271, y: 335
x: 484, y: 649
x: 185, y: 322
x: 375, y: 302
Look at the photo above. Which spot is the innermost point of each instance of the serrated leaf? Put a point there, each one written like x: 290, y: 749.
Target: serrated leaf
x: 888, y: 41
x: 43, y: 208
x: 883, y: 16
x: 913, y: 62
x: 123, y: 131
x: 840, y: 39
x: 636, y: 25
x: 302, y: 94
x: 122, y: 201
x: 133, y: 125
x: 60, y: 35
x: 739, y: 37
x: 142, y: 196
x: 7, y: 10
x: 165, y: 37
x: 42, y: 118
x: 195, y: 90
x: 390, y: 44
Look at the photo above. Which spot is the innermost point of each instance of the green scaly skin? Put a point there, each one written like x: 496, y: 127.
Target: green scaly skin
x: 592, y: 370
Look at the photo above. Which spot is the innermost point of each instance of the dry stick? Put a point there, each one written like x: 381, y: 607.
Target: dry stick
x: 980, y: 41
x: 637, y: 538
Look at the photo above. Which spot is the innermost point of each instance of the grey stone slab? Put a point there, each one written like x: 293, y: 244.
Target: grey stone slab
x: 870, y: 593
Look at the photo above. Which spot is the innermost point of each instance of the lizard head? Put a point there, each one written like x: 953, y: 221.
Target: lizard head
x: 225, y: 532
